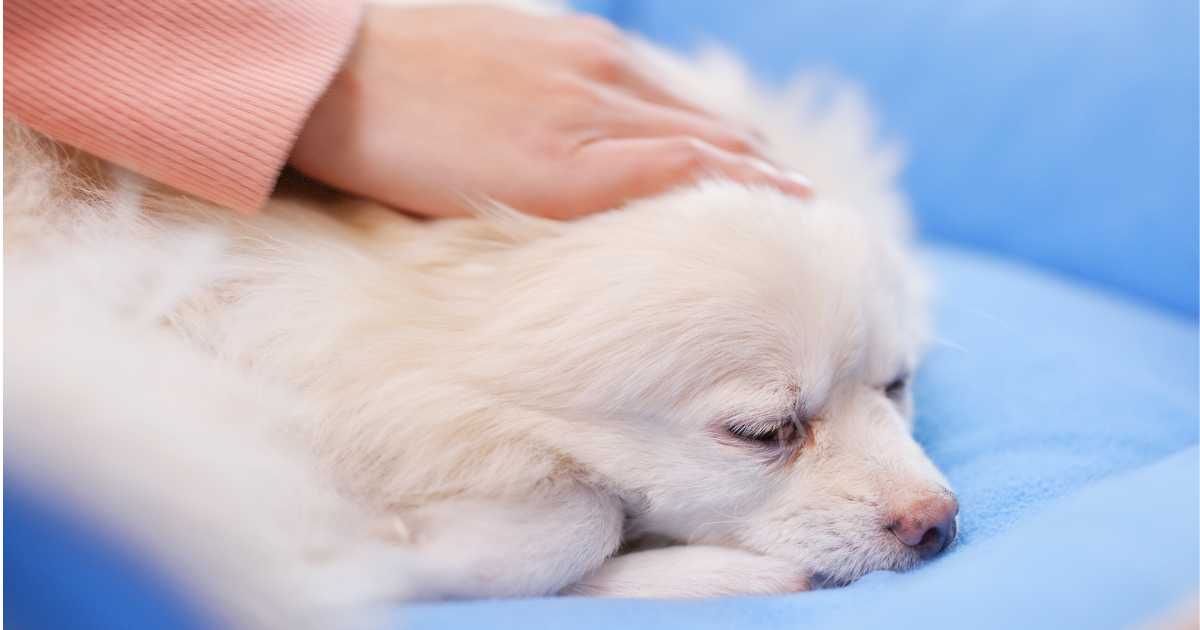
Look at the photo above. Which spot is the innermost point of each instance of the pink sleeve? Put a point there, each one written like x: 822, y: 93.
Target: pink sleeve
x: 205, y: 96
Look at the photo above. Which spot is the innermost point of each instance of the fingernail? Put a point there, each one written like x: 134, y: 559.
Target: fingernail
x: 790, y: 182
x: 801, y: 185
x: 798, y: 179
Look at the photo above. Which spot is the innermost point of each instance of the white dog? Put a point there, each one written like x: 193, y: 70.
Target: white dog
x: 500, y: 406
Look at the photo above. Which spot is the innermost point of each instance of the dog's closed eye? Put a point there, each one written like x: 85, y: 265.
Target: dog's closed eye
x: 897, y: 387
x: 770, y: 434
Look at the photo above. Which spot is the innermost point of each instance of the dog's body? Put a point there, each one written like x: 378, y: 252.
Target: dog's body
x: 501, y: 403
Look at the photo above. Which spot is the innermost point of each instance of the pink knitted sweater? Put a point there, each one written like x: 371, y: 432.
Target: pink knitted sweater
x: 206, y: 96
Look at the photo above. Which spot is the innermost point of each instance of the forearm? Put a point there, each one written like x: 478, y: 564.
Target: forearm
x: 207, y: 97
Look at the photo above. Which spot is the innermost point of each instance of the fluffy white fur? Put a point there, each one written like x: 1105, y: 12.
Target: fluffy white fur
x: 358, y: 405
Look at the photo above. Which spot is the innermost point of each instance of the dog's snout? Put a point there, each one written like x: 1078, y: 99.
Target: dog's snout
x: 927, y: 525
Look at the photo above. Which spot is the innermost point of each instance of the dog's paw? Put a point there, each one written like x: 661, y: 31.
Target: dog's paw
x: 691, y: 571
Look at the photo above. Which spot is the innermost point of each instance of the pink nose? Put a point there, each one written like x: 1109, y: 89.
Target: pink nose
x: 927, y: 525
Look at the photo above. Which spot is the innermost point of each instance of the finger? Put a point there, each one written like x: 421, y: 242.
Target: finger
x: 628, y: 117
x: 613, y: 63
x: 640, y: 82
x: 608, y: 173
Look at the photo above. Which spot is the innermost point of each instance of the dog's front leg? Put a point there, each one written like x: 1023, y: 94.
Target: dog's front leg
x: 691, y: 571
x: 473, y: 548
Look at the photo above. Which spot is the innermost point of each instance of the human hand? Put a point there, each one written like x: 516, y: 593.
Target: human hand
x: 548, y: 114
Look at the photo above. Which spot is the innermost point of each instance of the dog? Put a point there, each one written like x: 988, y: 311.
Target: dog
x: 697, y: 394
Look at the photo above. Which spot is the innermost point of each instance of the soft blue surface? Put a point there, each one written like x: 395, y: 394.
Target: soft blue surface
x: 62, y: 574
x: 1058, y: 131
x: 1066, y: 420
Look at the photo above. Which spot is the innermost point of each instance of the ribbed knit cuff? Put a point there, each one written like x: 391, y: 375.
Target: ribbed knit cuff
x: 207, y: 97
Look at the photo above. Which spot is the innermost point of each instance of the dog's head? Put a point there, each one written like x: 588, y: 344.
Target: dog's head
x: 736, y: 365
